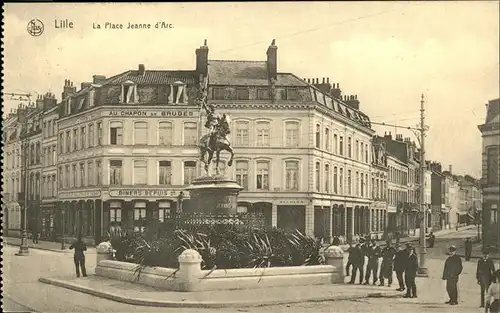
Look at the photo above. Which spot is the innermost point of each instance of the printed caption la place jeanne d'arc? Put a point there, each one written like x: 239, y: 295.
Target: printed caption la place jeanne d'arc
x: 67, y: 24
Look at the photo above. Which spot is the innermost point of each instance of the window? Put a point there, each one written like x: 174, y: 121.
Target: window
x: 263, y: 175
x: 362, y: 185
x: 115, y: 173
x: 139, y: 217
x: 90, y: 173
x: 335, y: 180
x: 98, y: 176
x: 37, y: 153
x: 349, y: 183
x: 327, y: 178
x: 242, y: 93
x: 218, y: 93
x: 99, y: 133
x: 45, y: 130
x: 179, y: 92
x: 318, y: 136
x: 335, y: 143
x: 327, y: 139
x: 165, y: 173
x: 366, y: 185
x: 116, y: 133
x: 357, y: 150
x: 54, y: 128
x: 91, y: 136
x: 341, y: 181
x: 492, y: 165
x: 75, y: 139
x: 189, y: 172
x: 75, y: 177
x: 341, y: 145
x: 140, y: 172
x: 82, y: 174
x: 140, y: 133
x: 242, y: 133
x: 263, y: 94
x: 129, y: 93
x: 165, y: 134
x: 45, y: 157
x: 263, y: 130
x: 115, y: 215
x: 242, y: 174
x: 190, y: 133
x: 67, y: 177
x: 54, y: 155
x: 318, y: 178
x: 292, y: 175
x: 292, y: 134
x: 83, y: 134
x: 54, y: 190
x: 349, y: 147
x: 357, y: 184
x: 61, y: 177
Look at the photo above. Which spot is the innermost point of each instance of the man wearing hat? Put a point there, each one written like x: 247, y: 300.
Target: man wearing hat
x: 373, y: 254
x: 485, y: 274
x: 358, y: 262
x: 452, y: 270
x: 388, y: 254
x: 400, y: 260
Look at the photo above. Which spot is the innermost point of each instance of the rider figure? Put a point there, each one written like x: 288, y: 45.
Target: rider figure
x: 213, y: 120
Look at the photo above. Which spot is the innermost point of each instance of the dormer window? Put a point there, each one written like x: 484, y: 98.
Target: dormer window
x: 129, y: 92
x: 179, y: 92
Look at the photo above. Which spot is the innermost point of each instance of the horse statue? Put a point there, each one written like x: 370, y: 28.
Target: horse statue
x: 219, y: 143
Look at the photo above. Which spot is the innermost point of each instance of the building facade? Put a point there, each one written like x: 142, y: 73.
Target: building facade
x: 397, y: 192
x: 380, y: 176
x: 490, y: 180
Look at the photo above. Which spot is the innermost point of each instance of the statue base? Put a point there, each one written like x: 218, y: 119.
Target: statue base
x: 214, y: 195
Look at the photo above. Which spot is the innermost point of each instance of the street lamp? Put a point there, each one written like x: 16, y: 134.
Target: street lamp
x: 23, y: 249
x: 62, y: 228
x: 180, y: 199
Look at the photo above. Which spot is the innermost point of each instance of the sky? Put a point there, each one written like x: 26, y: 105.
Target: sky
x: 387, y: 53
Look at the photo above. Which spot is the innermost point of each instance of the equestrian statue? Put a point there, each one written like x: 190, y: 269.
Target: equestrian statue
x: 219, y: 127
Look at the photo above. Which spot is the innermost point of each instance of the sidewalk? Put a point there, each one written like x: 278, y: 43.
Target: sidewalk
x: 136, y: 294
x: 41, y: 245
x: 410, y: 238
x: 477, y: 252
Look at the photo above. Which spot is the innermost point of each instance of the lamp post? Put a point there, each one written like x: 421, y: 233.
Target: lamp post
x: 180, y: 199
x: 63, y: 212
x: 23, y: 249
x: 422, y: 269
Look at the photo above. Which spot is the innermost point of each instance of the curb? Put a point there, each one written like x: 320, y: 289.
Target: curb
x: 38, y: 248
x: 210, y: 304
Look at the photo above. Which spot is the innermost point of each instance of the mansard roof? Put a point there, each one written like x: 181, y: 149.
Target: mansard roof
x: 154, y: 77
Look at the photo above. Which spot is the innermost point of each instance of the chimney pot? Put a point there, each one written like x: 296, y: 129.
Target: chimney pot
x: 328, y: 80
x: 205, y: 42
x: 142, y: 69
x: 323, y: 80
x: 308, y: 80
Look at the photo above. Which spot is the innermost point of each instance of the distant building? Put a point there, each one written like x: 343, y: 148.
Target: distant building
x: 490, y: 181
x: 380, y: 176
x: 439, y: 209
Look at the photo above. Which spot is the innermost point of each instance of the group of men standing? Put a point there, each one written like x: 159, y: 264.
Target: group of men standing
x: 397, y: 259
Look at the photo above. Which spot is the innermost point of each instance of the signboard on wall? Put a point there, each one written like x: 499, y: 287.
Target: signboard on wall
x: 146, y: 193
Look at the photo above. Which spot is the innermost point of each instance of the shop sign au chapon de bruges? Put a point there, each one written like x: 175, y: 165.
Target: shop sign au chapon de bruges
x: 158, y: 113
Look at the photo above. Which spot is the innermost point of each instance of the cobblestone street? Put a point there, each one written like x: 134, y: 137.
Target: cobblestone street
x: 23, y: 290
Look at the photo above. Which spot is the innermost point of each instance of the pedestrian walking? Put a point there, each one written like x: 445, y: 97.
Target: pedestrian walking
x: 386, y: 269
x: 34, y: 233
x: 452, y: 270
x: 493, y: 297
x: 411, y: 273
x: 79, y: 256
x: 373, y: 254
x: 431, y: 240
x: 399, y: 266
x: 358, y: 262
x: 485, y: 274
x: 349, y: 259
x: 468, y: 249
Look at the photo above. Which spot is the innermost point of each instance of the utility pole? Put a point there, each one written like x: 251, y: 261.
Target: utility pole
x: 422, y: 268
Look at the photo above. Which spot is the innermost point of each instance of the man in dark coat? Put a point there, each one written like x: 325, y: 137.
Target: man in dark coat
x: 349, y: 259
x: 431, y: 240
x: 388, y: 254
x: 400, y: 260
x: 358, y: 262
x: 485, y: 274
x: 372, y: 266
x: 79, y: 257
x: 468, y: 249
x: 410, y: 274
x: 452, y: 270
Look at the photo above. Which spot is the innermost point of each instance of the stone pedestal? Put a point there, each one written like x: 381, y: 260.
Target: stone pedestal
x: 334, y: 255
x: 214, y: 195
x: 104, y: 252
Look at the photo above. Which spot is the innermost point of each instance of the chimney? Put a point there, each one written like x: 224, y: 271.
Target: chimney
x: 142, y: 69
x: 99, y: 79
x: 336, y: 92
x: 202, y: 60
x: 353, y: 102
x: 48, y: 101
x: 39, y: 102
x: 68, y: 89
x: 86, y: 84
x: 272, y: 60
x: 324, y: 86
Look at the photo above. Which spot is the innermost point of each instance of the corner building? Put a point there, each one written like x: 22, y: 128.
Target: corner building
x: 128, y: 146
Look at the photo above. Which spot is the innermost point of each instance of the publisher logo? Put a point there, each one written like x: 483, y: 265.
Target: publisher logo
x: 35, y: 27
